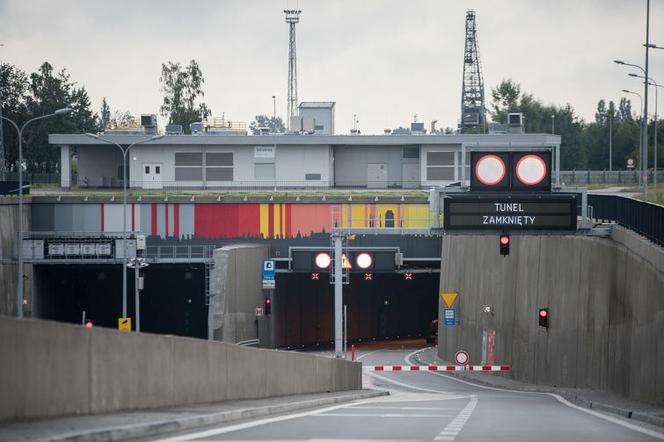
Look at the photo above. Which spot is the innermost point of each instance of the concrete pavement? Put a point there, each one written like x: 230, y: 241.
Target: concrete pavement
x: 436, y: 407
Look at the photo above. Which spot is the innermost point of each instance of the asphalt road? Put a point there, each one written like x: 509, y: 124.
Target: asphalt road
x: 427, y: 406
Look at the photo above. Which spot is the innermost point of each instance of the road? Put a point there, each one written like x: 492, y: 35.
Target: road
x: 427, y: 406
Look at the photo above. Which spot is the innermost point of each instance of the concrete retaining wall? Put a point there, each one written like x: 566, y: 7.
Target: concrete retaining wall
x: 236, y: 290
x: 606, y: 304
x: 9, y: 272
x: 51, y: 368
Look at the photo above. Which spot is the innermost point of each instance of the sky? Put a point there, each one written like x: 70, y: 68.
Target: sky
x: 384, y: 60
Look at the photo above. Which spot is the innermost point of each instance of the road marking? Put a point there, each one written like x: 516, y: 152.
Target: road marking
x: 561, y: 399
x: 366, y: 354
x: 370, y: 407
x: 256, y: 423
x: 413, y: 387
x: 454, y: 428
x: 377, y: 415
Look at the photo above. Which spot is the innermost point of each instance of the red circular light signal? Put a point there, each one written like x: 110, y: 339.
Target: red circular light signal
x: 543, y: 313
x: 268, y: 301
x: 363, y: 260
x: 531, y: 169
x: 490, y: 170
x: 504, y: 239
x: 323, y: 260
x: 89, y: 324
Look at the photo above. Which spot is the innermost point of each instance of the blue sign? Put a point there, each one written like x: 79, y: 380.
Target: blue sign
x: 268, y: 269
x: 449, y: 316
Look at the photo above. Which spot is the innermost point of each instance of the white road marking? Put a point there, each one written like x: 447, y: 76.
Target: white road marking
x: 366, y: 354
x: 455, y: 427
x: 561, y: 399
x: 377, y: 415
x: 413, y: 387
x: 371, y: 407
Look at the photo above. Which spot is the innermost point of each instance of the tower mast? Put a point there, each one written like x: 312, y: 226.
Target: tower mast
x: 473, y: 111
x: 292, y: 18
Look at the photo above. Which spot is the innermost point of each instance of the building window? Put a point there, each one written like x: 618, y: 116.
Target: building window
x: 264, y: 171
x: 312, y: 176
x: 188, y: 166
x: 440, y: 166
x: 411, y: 152
x: 319, y: 127
x: 219, y: 166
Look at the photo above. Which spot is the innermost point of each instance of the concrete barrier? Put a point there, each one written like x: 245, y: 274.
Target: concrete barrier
x: 605, y: 299
x: 51, y: 369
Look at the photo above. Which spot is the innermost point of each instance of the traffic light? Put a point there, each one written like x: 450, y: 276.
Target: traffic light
x: 543, y: 316
x: 268, y: 306
x: 504, y: 245
x: 89, y: 323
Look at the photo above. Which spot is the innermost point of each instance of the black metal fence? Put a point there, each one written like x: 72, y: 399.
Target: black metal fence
x: 644, y: 218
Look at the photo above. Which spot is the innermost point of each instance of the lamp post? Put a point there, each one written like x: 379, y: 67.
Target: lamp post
x: 644, y: 105
x: 19, y: 131
x: 137, y: 264
x: 652, y: 82
x: 641, y: 135
x: 274, y: 107
x: 553, y: 123
x: 124, y: 151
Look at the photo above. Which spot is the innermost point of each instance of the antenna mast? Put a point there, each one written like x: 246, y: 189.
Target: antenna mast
x: 292, y: 18
x: 473, y: 111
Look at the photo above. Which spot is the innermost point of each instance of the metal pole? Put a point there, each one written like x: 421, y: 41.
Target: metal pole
x: 137, y: 299
x: 124, y: 231
x: 553, y: 124
x: 338, y: 296
x: 345, y: 331
x: 610, y: 142
x: 19, y: 300
x: 274, y: 104
x: 645, y: 108
x: 657, y: 86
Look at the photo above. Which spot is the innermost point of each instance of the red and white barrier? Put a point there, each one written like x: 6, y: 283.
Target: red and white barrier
x: 437, y: 367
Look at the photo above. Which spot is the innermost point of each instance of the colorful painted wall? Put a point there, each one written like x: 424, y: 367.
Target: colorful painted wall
x: 224, y: 220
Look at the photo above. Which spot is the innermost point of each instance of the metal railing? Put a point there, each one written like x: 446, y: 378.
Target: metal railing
x: 179, y: 253
x: 646, y: 219
x: 617, y: 177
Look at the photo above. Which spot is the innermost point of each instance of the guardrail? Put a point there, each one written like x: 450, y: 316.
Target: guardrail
x: 647, y: 219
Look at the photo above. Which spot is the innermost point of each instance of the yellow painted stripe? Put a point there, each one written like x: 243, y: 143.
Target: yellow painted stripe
x: 264, y: 223
x: 277, y: 219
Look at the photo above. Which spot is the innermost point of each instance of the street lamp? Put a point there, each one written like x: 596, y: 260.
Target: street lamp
x: 640, y: 137
x: 274, y: 107
x: 644, y: 105
x: 137, y: 264
x: 19, y: 131
x: 124, y: 151
x: 652, y: 82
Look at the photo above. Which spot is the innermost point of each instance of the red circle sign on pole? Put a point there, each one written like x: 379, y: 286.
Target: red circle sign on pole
x: 490, y: 170
x: 531, y: 170
x: 461, y: 357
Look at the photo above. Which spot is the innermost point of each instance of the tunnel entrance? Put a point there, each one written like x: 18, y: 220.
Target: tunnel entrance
x: 387, y: 307
x: 172, y: 302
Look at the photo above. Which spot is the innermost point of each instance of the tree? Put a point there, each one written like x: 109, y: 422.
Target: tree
x: 104, y: 114
x: 504, y: 99
x: 123, y: 119
x: 13, y: 98
x: 401, y: 131
x: 182, y: 89
x: 276, y: 125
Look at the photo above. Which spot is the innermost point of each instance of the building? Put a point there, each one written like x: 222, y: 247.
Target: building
x: 281, y: 161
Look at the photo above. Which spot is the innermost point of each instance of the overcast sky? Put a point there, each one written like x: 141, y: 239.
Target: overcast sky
x: 385, y: 60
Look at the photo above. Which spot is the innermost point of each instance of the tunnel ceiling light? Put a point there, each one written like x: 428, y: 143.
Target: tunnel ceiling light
x: 323, y: 260
x: 363, y: 260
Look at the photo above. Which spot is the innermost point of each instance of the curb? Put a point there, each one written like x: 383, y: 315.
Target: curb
x: 168, y: 426
x: 574, y: 398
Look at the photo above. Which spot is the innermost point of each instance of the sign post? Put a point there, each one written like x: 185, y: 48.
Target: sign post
x: 268, y: 274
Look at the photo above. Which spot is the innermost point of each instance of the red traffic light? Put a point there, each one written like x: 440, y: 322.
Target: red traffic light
x: 323, y: 260
x: 504, y: 239
x: 543, y: 313
x: 268, y: 301
x: 89, y: 324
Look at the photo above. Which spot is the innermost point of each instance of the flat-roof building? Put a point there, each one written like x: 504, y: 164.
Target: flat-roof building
x: 282, y: 161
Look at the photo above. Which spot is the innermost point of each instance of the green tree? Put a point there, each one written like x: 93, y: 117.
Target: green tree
x: 276, y: 125
x: 183, y: 88
x: 14, y: 92
x: 104, y: 114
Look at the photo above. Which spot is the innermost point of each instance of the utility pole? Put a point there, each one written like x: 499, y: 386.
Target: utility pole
x: 645, y: 108
x: 292, y: 18
x: 611, y: 141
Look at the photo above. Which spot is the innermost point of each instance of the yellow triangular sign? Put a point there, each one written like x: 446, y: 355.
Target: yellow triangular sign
x: 449, y: 298
x: 345, y: 262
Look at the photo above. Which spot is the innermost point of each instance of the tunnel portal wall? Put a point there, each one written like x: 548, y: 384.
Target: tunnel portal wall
x: 51, y: 368
x: 606, y: 309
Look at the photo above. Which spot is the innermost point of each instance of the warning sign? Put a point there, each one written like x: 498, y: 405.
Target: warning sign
x: 124, y: 324
x: 449, y: 298
x: 345, y: 262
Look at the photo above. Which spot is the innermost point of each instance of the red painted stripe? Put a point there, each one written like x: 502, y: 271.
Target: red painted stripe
x: 101, y: 227
x: 450, y: 367
x: 486, y: 368
x: 153, y: 219
x: 414, y: 368
x: 396, y: 368
x: 289, y: 220
x: 133, y: 217
x: 504, y: 368
x: 433, y: 368
x: 176, y: 220
x: 165, y: 220
x: 379, y: 368
x: 270, y: 220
